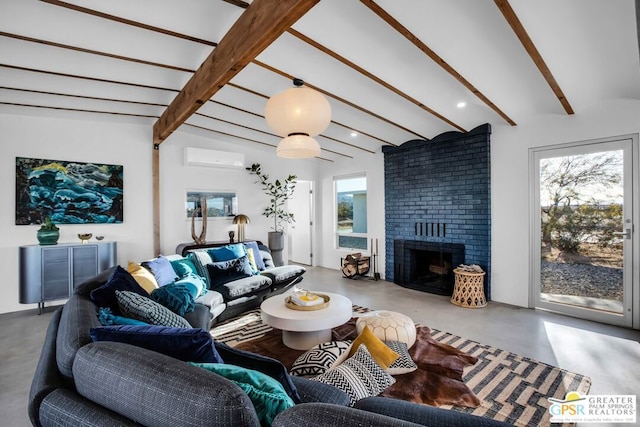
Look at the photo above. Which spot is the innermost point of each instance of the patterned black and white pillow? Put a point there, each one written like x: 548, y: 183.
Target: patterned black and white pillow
x: 359, y: 376
x: 145, y: 309
x: 403, y: 364
x: 320, y: 358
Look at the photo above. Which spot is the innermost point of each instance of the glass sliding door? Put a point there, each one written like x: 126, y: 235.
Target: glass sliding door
x: 582, y: 230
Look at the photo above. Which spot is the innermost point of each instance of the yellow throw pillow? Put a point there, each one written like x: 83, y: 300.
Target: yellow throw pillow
x: 144, y: 277
x: 252, y: 260
x: 380, y: 352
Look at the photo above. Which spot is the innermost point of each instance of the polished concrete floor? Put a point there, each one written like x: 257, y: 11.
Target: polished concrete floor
x: 609, y: 355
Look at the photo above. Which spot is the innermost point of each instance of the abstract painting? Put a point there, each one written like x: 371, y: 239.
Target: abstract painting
x: 68, y: 192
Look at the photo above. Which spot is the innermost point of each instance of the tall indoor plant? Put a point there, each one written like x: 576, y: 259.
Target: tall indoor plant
x: 279, y: 192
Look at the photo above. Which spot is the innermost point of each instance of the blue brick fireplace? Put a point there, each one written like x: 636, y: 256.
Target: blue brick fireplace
x: 438, y: 209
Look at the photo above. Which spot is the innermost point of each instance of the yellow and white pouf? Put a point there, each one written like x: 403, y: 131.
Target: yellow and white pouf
x: 389, y: 326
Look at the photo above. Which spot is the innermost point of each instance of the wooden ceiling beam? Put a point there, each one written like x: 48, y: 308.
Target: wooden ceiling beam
x: 530, y: 47
x: 373, y: 77
x: 404, y: 31
x: 259, y: 26
x: 125, y: 21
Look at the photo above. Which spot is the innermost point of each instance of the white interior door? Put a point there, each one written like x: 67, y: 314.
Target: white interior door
x: 300, y: 236
x: 585, y: 204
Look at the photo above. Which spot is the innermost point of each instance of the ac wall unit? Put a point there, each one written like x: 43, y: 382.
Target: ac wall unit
x: 212, y: 158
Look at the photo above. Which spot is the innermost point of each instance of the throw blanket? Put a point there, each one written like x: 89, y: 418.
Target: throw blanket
x: 437, y: 381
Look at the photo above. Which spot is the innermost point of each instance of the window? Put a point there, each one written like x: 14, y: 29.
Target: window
x: 351, y: 212
x: 219, y: 204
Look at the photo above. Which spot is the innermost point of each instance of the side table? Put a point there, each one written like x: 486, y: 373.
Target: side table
x: 468, y: 289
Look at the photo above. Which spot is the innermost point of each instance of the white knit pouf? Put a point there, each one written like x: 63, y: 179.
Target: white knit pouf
x: 389, y: 326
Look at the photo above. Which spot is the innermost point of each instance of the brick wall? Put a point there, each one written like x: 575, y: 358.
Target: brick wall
x: 444, y: 181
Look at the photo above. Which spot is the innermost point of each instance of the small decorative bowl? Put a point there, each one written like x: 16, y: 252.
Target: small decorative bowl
x: 99, y: 238
x: 84, y: 237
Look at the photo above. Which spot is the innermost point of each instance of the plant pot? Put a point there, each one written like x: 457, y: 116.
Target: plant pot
x: 48, y: 237
x: 276, y: 245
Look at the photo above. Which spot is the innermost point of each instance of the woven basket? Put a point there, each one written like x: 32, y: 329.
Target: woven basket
x: 468, y: 289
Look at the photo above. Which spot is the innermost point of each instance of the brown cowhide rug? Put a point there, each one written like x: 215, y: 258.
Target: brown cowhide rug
x: 437, y: 381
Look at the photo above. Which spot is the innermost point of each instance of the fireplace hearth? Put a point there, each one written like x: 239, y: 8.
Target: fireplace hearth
x: 427, y: 266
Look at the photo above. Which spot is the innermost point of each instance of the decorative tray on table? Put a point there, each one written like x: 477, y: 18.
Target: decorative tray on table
x: 307, y: 301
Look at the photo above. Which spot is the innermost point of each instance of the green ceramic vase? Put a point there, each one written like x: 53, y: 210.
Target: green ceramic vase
x: 48, y: 237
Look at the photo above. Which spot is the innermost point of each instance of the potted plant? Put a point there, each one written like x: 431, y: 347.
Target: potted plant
x: 279, y: 192
x: 48, y: 233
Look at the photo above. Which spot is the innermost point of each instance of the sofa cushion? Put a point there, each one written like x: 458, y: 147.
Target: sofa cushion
x: 245, y: 286
x: 177, y: 297
x: 359, y: 376
x: 126, y: 378
x: 147, y: 310
x: 226, y: 271
x: 283, y: 273
x: 78, y: 316
x: 162, y: 270
x: 272, y: 367
x: 120, y: 280
x: 95, y: 282
x: 142, y: 276
x: 227, y: 252
x: 256, y: 254
x: 266, y: 394
x: 183, y: 267
x: 200, y: 261
x: 188, y: 345
x: 320, y: 358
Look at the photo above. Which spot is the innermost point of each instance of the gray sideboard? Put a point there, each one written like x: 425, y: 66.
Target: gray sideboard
x: 51, y: 272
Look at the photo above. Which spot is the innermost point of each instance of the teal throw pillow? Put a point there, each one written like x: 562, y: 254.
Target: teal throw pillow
x: 228, y: 252
x: 107, y: 318
x: 200, y: 259
x: 266, y: 394
x: 195, y: 284
x: 183, y: 267
x: 177, y: 297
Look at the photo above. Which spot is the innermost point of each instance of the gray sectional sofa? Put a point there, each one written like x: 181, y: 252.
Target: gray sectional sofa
x: 238, y: 296
x: 78, y: 382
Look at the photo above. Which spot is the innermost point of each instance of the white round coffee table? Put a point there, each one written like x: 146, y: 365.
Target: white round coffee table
x: 301, y: 330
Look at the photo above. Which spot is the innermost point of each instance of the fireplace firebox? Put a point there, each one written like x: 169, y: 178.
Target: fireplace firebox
x: 426, y: 266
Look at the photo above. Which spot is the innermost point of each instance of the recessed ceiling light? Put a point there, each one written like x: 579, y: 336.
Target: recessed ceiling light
x: 354, y: 134
x: 461, y: 104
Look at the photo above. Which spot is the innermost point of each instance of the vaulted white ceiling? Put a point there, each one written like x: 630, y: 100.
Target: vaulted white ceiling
x: 392, y: 70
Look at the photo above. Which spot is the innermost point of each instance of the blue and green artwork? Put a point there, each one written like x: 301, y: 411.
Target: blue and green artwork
x: 68, y: 192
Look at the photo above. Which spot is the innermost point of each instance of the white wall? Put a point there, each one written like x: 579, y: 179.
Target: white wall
x: 176, y: 179
x: 510, y: 184
x: 372, y: 165
x: 129, y: 145
x: 60, y: 139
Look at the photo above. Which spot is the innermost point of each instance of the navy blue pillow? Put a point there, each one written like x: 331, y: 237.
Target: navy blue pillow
x: 188, y: 345
x: 228, y: 271
x: 272, y: 367
x: 120, y: 280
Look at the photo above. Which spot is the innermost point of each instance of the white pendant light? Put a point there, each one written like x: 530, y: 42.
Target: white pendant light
x: 298, y: 114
